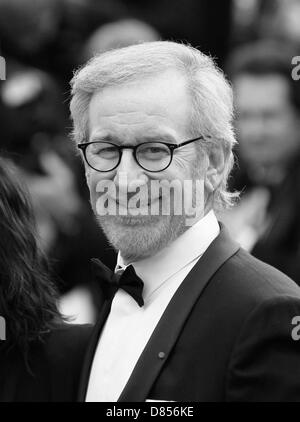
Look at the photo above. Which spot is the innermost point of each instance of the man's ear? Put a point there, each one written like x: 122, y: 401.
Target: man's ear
x: 216, y: 164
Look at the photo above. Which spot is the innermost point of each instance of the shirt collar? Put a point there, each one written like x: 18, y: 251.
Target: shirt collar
x: 156, y: 269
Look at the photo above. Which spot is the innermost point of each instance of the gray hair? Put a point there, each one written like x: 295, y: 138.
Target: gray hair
x: 210, y: 93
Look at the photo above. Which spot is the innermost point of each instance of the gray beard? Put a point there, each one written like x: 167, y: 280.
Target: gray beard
x: 140, y: 237
x: 143, y: 236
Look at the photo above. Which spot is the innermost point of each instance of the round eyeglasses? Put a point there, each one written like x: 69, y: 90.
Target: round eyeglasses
x: 105, y: 156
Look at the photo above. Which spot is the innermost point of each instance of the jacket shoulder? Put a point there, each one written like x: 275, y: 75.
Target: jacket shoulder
x: 241, y: 285
x: 253, y: 280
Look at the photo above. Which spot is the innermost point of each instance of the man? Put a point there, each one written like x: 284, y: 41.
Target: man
x: 214, y: 323
x: 266, y: 222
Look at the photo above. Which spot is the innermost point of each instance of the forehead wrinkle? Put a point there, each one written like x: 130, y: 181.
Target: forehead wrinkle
x: 144, y: 135
x: 135, y: 115
x: 125, y: 114
x: 126, y: 119
x: 111, y: 126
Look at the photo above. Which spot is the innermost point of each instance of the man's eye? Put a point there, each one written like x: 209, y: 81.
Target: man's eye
x: 154, y: 151
x: 105, y: 151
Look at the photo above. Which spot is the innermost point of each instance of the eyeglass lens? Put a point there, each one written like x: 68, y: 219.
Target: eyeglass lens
x: 104, y: 156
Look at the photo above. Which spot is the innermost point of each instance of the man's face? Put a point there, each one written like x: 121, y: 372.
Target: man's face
x: 142, y: 111
x: 267, y: 123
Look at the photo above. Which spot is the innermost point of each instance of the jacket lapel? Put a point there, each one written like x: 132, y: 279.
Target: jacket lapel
x: 165, y: 334
x: 89, y: 356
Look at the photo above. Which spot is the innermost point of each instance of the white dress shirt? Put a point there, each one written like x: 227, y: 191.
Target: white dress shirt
x: 129, y: 327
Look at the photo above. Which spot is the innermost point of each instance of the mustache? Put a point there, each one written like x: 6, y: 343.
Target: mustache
x: 140, y: 201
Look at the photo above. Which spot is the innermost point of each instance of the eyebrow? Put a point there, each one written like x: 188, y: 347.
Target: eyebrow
x: 102, y: 137
x: 162, y: 137
x: 151, y: 137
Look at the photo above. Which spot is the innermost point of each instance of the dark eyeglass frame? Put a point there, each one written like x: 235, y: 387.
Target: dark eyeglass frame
x: 83, y: 146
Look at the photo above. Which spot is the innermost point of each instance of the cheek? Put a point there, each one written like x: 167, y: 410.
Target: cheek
x: 92, y: 183
x: 183, y: 164
x: 93, y: 178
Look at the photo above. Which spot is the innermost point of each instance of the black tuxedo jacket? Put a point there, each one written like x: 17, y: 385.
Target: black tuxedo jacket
x: 226, y: 335
x: 52, y: 370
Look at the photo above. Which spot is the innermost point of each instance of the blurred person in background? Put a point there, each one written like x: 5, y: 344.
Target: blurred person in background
x: 48, y: 34
x: 28, y: 30
x: 121, y: 33
x: 255, y: 20
x: 267, y: 99
x: 34, y: 135
x: 202, y: 23
x: 279, y: 20
x: 41, y: 356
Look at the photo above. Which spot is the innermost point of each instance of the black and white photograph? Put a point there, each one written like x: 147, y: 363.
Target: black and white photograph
x: 149, y: 203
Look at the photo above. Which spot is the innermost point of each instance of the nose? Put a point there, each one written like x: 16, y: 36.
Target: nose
x: 129, y: 173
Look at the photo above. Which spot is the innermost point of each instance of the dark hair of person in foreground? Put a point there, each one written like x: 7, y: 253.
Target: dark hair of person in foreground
x: 27, y: 295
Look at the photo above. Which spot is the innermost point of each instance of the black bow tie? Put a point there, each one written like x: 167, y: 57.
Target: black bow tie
x: 110, y: 282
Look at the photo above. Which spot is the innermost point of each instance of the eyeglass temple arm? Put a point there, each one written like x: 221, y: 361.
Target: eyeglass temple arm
x: 173, y: 146
x: 188, y: 142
